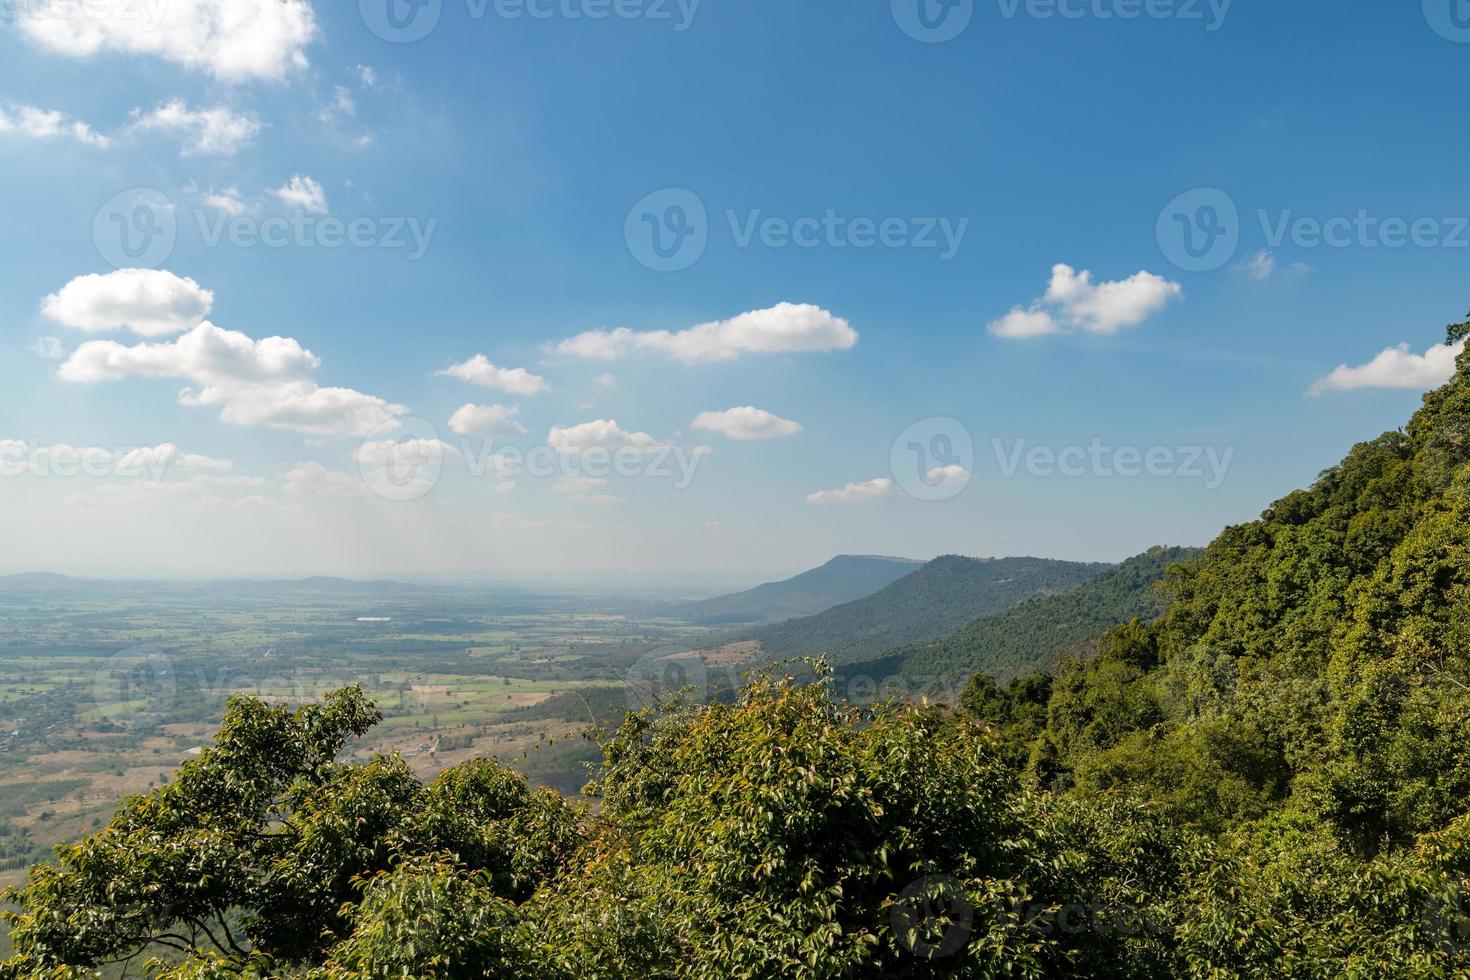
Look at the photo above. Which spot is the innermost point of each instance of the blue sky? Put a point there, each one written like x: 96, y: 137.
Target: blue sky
x: 518, y: 149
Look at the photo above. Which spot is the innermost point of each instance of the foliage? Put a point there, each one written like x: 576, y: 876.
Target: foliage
x: 1034, y: 634
x: 258, y: 849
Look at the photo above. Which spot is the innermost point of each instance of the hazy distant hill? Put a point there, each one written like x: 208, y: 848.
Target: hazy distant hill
x: 936, y: 599
x: 843, y: 579
x: 40, y: 582
x: 1027, y: 637
x: 28, y: 582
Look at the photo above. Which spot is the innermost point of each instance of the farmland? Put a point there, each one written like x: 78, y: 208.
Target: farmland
x: 105, y: 688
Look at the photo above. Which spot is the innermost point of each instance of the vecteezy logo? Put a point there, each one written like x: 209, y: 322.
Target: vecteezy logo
x: 135, y: 687
x: 662, y: 673
x: 1449, y: 18
x: 667, y: 230
x: 933, y: 459
x: 932, y: 917
x: 403, y: 459
x: 400, y: 21
x: 932, y: 21
x: 136, y: 229
x: 1199, y: 230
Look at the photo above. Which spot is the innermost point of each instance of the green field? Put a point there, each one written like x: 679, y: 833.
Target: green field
x: 106, y: 688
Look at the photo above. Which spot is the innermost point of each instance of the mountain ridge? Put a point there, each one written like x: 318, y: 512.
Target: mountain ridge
x: 841, y: 579
x: 940, y: 596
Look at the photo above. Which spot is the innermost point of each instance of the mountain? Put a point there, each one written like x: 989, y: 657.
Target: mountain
x: 843, y: 579
x: 39, y: 582
x: 1030, y: 636
x: 36, y: 582
x: 938, y: 598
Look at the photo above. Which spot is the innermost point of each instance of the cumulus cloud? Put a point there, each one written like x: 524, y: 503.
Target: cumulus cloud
x: 1073, y: 300
x: 947, y: 476
x: 746, y: 423
x: 784, y: 328
x: 232, y: 40
x: 63, y: 459
x: 206, y: 354
x: 1035, y: 322
x: 855, y: 493
x: 300, y: 406
x: 1394, y: 367
x: 47, y: 124
x: 486, y: 420
x: 228, y: 200
x: 315, y: 480
x: 167, y: 455
x: 205, y: 132
x: 302, y: 192
x: 478, y: 370
x: 403, y: 453
x: 151, y: 302
x: 269, y: 382
x: 601, y: 433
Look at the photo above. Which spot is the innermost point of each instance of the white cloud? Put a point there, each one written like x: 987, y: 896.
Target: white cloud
x: 315, y: 480
x: 206, y: 354
x: 784, y: 328
x: 167, y: 455
x: 402, y: 454
x: 151, y: 302
x: 303, y: 192
x: 1108, y: 306
x: 855, y: 493
x: 232, y: 40
x: 947, y: 476
x: 486, y: 420
x: 746, y: 423
x: 1262, y: 265
x: 1073, y: 300
x: 478, y: 370
x: 46, y: 124
x: 228, y: 200
x: 602, y: 433
x: 367, y: 75
x: 1034, y: 322
x: 151, y: 462
x: 300, y: 406
x: 606, y: 380
x: 267, y: 382
x: 50, y: 348
x: 205, y: 132
x: 1395, y: 367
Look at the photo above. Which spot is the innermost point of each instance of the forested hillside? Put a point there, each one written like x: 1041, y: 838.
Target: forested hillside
x: 940, y: 597
x: 1030, y: 636
x: 843, y: 579
x: 1271, y: 780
